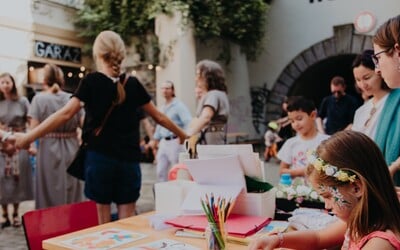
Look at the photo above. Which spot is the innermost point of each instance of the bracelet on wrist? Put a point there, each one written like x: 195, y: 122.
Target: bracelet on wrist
x: 5, y: 136
x: 280, y: 237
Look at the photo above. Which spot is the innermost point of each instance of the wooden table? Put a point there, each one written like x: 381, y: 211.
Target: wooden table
x: 139, y: 224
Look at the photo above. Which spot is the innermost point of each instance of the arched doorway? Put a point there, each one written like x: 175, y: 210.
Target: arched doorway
x: 310, y: 72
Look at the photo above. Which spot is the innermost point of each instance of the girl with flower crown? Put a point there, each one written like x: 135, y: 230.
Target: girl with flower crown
x: 348, y: 170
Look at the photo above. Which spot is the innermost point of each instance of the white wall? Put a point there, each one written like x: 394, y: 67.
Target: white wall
x: 180, y: 65
x: 53, y: 14
x: 16, y: 45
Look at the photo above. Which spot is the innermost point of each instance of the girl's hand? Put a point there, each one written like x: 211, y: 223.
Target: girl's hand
x: 8, y: 148
x: 398, y: 192
x: 21, y: 141
x: 190, y: 145
x: 394, y: 167
x: 265, y: 243
x: 32, y: 150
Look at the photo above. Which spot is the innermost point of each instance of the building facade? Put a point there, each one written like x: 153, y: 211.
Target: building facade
x: 36, y: 32
x: 307, y: 42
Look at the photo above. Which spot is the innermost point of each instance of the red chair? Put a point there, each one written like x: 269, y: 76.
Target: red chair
x: 49, y: 222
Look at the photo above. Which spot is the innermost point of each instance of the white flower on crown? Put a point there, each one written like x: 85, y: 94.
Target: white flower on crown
x: 329, y: 169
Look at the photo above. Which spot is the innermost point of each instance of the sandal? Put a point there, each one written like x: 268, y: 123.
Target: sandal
x: 16, y: 221
x: 7, y: 223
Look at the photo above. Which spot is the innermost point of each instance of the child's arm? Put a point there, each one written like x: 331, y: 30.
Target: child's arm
x: 277, y: 137
x: 320, y: 126
x: 285, y: 168
x: 331, y: 236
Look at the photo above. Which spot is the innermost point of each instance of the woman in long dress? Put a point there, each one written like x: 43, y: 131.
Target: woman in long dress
x: 15, y: 168
x: 57, y: 149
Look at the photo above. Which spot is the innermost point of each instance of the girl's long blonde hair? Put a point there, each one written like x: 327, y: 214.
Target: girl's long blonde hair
x: 110, y: 47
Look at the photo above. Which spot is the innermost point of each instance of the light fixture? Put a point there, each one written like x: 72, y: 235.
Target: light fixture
x: 82, y: 68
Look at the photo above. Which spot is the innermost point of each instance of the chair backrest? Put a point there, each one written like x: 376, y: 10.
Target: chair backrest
x: 49, y: 222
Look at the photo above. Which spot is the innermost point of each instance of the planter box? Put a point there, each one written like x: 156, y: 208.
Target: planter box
x: 284, y: 207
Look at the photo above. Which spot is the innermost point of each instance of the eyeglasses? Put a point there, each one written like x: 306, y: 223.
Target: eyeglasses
x: 375, y: 57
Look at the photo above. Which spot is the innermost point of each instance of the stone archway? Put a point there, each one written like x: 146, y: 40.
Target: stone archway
x: 344, y: 42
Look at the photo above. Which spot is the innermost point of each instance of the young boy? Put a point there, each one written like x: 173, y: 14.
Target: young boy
x: 293, y: 154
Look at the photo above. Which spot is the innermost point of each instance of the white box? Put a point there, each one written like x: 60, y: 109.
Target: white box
x: 170, y: 195
x: 259, y: 204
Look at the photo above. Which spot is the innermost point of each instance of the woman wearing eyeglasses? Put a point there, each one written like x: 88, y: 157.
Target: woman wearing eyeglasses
x: 387, y: 51
x: 386, y: 44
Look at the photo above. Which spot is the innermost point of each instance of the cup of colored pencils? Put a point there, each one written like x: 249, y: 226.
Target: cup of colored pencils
x: 217, y: 210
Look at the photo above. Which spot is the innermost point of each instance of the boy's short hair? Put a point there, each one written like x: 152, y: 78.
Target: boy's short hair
x: 300, y: 103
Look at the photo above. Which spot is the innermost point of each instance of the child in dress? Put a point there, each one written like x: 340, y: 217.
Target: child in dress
x: 271, y: 138
x: 348, y: 170
x: 302, y: 114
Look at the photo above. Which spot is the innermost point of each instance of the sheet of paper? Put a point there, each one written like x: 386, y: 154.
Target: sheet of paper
x: 222, y: 176
x: 248, y: 162
x: 104, y: 239
x: 192, y: 205
x: 222, y: 170
x: 165, y: 244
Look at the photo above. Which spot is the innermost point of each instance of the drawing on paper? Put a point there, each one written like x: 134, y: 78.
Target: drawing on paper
x: 104, y: 239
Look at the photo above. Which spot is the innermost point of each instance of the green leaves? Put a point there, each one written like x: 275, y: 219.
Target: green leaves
x: 230, y: 21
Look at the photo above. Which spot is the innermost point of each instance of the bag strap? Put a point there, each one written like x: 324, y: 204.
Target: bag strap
x: 98, y: 130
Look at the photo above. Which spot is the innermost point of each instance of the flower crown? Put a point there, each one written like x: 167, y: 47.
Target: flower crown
x: 329, y: 169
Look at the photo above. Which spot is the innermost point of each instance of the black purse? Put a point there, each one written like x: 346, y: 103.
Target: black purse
x: 77, y: 166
